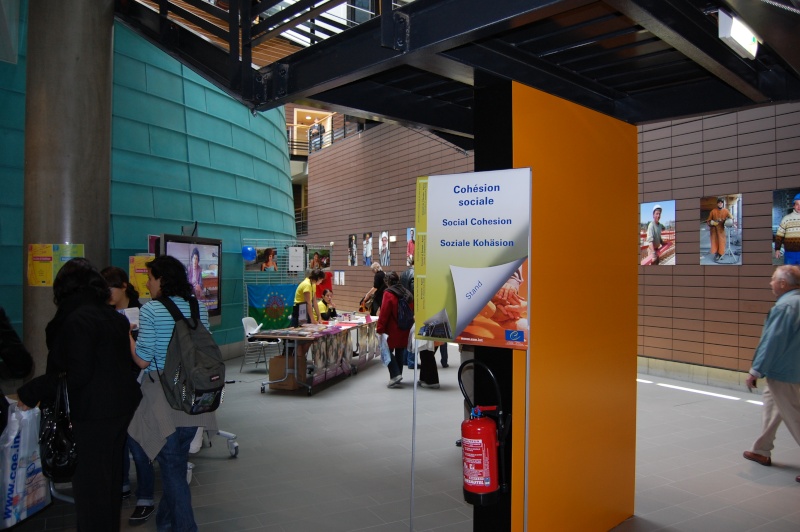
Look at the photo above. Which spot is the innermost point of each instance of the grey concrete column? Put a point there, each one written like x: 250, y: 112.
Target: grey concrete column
x: 67, y: 141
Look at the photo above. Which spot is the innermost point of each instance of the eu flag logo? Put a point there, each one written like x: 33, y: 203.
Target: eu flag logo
x: 515, y: 336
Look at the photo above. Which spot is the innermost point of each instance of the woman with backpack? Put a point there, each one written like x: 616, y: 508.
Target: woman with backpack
x: 162, y: 432
x: 388, y: 323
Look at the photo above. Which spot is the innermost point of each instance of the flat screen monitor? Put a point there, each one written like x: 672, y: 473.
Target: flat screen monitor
x: 203, y: 260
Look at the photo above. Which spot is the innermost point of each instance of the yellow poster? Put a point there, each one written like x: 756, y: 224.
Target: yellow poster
x: 40, y: 265
x: 137, y: 273
x: 62, y: 253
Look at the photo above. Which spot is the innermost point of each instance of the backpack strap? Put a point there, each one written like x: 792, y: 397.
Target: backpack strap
x: 176, y: 313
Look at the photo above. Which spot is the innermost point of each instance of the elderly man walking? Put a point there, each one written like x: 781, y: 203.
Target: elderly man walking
x: 777, y: 359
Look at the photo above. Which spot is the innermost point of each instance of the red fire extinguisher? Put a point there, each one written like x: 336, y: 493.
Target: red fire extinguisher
x: 482, y: 440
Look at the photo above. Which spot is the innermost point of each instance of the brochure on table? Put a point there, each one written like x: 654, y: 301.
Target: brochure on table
x: 471, y: 269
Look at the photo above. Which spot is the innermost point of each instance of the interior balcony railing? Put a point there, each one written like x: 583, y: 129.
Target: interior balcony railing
x: 301, y: 143
x: 227, y: 41
x: 301, y: 221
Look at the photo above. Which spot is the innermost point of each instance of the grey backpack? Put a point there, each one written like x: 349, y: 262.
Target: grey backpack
x: 194, y: 374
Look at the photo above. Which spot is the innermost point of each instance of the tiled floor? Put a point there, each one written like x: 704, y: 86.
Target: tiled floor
x: 340, y: 460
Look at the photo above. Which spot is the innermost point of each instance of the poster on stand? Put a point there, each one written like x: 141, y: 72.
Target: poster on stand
x: 471, y: 263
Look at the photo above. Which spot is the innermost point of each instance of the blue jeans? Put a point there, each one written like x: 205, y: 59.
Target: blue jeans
x: 145, y: 476
x: 443, y: 352
x: 175, y: 509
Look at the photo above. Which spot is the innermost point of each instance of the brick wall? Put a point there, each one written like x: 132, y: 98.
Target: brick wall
x: 367, y: 184
x: 712, y: 315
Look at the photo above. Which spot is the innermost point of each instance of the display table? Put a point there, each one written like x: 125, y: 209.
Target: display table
x: 331, y: 353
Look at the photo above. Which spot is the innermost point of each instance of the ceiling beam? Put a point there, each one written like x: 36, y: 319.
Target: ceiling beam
x: 506, y: 62
x: 368, y: 99
x: 685, y: 28
x: 357, y: 54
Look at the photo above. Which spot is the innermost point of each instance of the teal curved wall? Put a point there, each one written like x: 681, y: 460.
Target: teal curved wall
x: 182, y: 151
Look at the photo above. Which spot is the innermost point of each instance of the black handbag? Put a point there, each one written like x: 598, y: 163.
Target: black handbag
x: 56, y: 441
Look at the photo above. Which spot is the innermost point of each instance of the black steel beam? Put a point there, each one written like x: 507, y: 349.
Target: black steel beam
x: 689, y: 99
x: 778, y: 28
x: 368, y: 99
x: 686, y: 29
x: 497, y: 59
x: 434, y: 26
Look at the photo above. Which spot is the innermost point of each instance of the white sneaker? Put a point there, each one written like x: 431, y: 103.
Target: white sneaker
x: 424, y: 384
x: 394, y: 380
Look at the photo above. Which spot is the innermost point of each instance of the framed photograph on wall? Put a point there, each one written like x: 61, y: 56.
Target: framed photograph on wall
x: 319, y: 259
x: 352, y: 250
x: 786, y: 226
x: 411, y: 244
x: 657, y: 233
x: 383, y: 249
x: 367, y: 249
x: 721, y: 230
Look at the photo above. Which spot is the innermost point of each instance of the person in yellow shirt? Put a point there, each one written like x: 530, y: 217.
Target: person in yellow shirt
x: 327, y: 310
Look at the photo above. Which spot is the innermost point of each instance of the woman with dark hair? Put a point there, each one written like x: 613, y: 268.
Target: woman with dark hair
x: 305, y: 299
x: 90, y: 342
x: 327, y: 310
x: 387, y: 324
x: 195, y: 273
x: 123, y: 294
x: 161, y: 432
x: 306, y: 306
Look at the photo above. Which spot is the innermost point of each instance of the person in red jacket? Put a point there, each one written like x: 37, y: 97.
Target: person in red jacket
x: 387, y: 324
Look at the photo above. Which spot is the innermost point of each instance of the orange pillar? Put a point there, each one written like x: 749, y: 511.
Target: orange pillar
x: 581, y: 400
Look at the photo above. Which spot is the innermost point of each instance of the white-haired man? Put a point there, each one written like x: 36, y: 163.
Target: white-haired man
x: 777, y: 358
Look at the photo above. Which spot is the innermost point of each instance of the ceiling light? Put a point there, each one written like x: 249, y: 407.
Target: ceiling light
x: 737, y: 35
x: 308, y: 118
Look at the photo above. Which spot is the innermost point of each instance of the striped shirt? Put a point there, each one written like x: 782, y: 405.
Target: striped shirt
x: 155, y: 329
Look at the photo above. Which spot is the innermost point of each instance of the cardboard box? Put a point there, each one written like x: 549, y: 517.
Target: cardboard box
x: 277, y: 371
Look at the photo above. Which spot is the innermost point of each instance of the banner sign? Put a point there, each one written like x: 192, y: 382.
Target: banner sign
x: 471, y: 263
x: 271, y: 304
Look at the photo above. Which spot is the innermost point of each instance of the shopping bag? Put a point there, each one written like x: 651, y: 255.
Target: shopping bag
x: 24, y: 487
x: 386, y: 354
x: 410, y: 359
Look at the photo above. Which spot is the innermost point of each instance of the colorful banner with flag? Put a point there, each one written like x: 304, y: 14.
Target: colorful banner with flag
x: 271, y: 304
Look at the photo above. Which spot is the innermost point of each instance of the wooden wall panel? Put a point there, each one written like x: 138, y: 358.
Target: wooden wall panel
x: 366, y: 183
x: 716, y: 312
